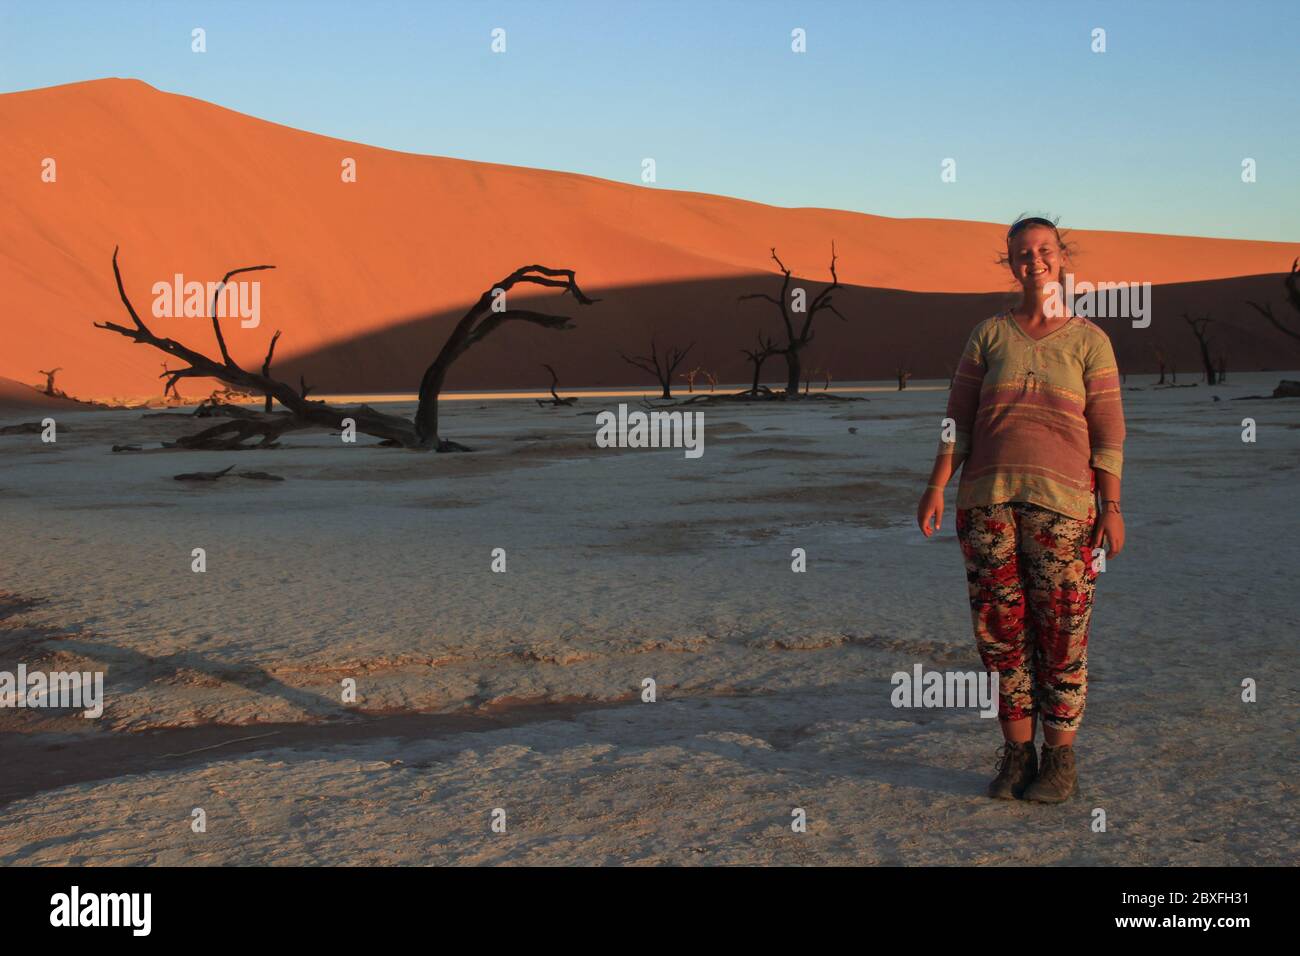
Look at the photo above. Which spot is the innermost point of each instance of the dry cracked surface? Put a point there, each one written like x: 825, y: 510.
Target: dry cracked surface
x: 523, y: 691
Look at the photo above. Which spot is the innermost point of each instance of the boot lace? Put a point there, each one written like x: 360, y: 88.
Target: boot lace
x: 1007, y: 754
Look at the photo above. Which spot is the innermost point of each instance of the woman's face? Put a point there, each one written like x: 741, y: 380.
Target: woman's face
x: 1035, y: 255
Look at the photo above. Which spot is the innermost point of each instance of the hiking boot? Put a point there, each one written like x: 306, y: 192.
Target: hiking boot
x: 1017, y: 766
x: 1057, y: 776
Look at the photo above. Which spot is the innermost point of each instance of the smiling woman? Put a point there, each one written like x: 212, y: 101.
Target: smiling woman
x: 1035, y: 423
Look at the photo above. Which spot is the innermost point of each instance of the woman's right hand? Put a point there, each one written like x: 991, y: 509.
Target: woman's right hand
x: 930, y: 506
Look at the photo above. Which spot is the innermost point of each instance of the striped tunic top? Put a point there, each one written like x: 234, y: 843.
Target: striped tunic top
x: 1034, y: 417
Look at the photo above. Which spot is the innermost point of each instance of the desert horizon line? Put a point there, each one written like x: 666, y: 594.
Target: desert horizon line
x: 852, y: 386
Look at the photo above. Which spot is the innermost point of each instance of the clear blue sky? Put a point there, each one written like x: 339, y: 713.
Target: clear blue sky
x: 1148, y: 136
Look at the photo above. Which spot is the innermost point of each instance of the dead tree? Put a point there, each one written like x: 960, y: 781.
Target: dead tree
x: 480, y: 321
x: 798, y: 335
x: 555, y: 401
x: 49, y: 380
x: 1292, y: 283
x: 757, y: 356
x: 1198, y: 327
x: 1160, y: 361
x: 712, y: 380
x: 422, y: 433
x: 826, y: 386
x: 169, y: 388
x: 663, y: 369
x: 904, y: 375
x: 689, y: 376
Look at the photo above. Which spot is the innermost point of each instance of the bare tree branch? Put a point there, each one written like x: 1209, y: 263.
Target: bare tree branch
x: 1292, y: 283
x: 266, y: 365
x: 1198, y: 327
x: 473, y: 327
x: 216, y: 321
x: 555, y: 401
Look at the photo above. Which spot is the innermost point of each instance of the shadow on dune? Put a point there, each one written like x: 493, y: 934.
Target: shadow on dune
x: 885, y: 328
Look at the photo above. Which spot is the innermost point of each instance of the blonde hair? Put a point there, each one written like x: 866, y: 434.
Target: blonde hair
x: 1022, y: 223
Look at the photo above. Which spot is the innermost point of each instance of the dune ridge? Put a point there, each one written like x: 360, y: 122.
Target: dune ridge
x: 185, y: 186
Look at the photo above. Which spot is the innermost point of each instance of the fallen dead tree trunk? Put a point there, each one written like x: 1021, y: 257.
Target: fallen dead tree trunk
x: 231, y: 435
x: 28, y: 428
x: 224, y: 472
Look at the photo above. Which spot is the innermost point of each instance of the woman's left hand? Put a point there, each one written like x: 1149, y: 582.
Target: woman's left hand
x: 1110, y: 526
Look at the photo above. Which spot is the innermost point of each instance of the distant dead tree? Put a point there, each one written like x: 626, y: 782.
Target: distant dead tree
x: 169, y: 388
x: 826, y: 386
x: 1160, y: 361
x: 421, y: 433
x: 711, y: 379
x: 757, y: 356
x: 661, y: 369
x: 49, y: 379
x: 1292, y: 283
x: 798, y: 334
x: 554, y: 401
x: 689, y: 377
x: 1198, y: 327
x: 904, y: 375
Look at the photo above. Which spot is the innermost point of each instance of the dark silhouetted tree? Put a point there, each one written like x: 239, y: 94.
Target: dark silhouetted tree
x: 554, y: 401
x: 49, y: 379
x: 1199, y: 327
x: 797, y: 316
x: 757, y: 356
x: 661, y: 368
x: 1160, y: 361
x: 1292, y: 283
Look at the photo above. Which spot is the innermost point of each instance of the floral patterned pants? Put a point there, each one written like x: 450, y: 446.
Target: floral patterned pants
x: 1031, y: 580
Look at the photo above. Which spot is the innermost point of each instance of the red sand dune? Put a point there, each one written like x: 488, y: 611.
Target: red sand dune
x: 185, y: 186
